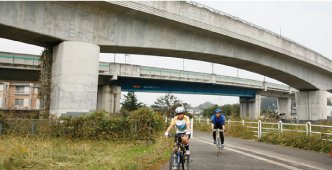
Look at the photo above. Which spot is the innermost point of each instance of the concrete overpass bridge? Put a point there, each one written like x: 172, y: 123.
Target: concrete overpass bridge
x: 115, y: 77
x: 78, y: 31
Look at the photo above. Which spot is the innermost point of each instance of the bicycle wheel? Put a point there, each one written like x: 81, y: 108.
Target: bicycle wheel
x: 218, y: 148
x: 185, y: 165
x: 173, y: 161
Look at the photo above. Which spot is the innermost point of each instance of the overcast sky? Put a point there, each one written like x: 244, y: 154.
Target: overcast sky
x: 306, y: 22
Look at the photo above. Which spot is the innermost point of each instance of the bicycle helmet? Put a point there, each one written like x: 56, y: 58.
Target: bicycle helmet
x: 217, y: 110
x: 179, y: 110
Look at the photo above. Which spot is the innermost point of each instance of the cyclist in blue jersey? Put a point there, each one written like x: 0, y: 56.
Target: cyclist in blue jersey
x: 218, y: 121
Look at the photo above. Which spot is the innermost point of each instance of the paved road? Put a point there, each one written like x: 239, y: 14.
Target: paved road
x: 247, y: 155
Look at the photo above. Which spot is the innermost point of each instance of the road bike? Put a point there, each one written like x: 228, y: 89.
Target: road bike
x: 218, y: 140
x: 179, y: 159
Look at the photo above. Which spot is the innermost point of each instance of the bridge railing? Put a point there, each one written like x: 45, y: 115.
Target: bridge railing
x: 19, y: 59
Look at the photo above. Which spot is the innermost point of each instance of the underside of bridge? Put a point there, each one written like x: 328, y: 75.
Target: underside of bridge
x: 154, y: 28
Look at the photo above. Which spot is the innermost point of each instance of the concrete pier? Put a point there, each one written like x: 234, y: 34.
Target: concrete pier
x: 74, y: 77
x: 109, y: 98
x: 284, y: 106
x: 311, y: 105
x: 250, y: 106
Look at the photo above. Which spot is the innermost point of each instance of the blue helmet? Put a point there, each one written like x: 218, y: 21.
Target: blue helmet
x: 217, y: 110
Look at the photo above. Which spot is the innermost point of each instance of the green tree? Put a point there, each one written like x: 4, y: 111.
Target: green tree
x: 130, y: 102
x: 166, y: 104
x: 208, y: 112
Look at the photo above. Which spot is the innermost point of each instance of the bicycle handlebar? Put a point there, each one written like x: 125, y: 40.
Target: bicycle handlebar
x: 219, y: 130
x: 176, y: 135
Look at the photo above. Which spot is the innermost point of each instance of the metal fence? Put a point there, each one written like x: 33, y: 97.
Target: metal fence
x: 260, y: 127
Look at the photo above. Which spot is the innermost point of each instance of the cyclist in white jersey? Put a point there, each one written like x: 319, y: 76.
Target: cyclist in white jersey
x: 182, y: 124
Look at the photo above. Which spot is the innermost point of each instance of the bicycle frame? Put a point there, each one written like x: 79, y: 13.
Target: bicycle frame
x: 218, y: 140
x: 179, y: 151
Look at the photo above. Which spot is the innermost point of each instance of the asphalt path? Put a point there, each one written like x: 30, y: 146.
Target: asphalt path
x: 248, y: 154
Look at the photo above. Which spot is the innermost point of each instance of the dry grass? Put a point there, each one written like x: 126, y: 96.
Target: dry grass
x: 58, y: 153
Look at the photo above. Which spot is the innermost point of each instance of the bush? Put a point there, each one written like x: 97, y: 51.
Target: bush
x: 99, y: 125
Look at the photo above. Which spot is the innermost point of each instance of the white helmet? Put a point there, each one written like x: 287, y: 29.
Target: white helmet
x: 179, y: 110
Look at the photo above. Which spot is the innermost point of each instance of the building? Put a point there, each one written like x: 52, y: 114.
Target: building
x: 19, y: 96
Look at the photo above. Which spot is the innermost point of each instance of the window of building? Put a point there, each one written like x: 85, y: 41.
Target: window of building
x: 35, y: 90
x: 6, y: 101
x: 19, y: 102
x: 6, y: 87
x: 30, y: 102
x: 19, y: 89
x: 1, y: 87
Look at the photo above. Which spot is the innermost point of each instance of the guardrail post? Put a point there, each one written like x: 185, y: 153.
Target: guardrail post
x: 0, y: 128
x: 207, y: 121
x: 308, y: 128
x: 32, y: 128
x: 229, y: 123
x: 165, y: 120
x: 259, y: 129
x: 242, y: 122
x: 280, y: 127
x: 136, y: 127
x: 192, y: 128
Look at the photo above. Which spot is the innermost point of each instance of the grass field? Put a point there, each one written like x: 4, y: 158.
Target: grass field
x: 59, y: 153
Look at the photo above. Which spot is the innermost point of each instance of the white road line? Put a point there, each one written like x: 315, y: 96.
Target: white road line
x: 258, y: 157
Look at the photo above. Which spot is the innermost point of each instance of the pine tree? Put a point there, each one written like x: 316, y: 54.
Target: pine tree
x: 130, y: 102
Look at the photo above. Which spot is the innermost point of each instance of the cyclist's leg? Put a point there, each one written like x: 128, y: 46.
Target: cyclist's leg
x: 214, y: 134
x: 222, y: 137
x: 175, y: 147
x: 221, y: 134
x: 185, y: 141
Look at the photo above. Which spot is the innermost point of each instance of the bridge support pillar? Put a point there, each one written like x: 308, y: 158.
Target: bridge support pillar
x: 311, y: 105
x: 74, y: 77
x: 250, y: 106
x: 109, y: 98
x: 284, y: 106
